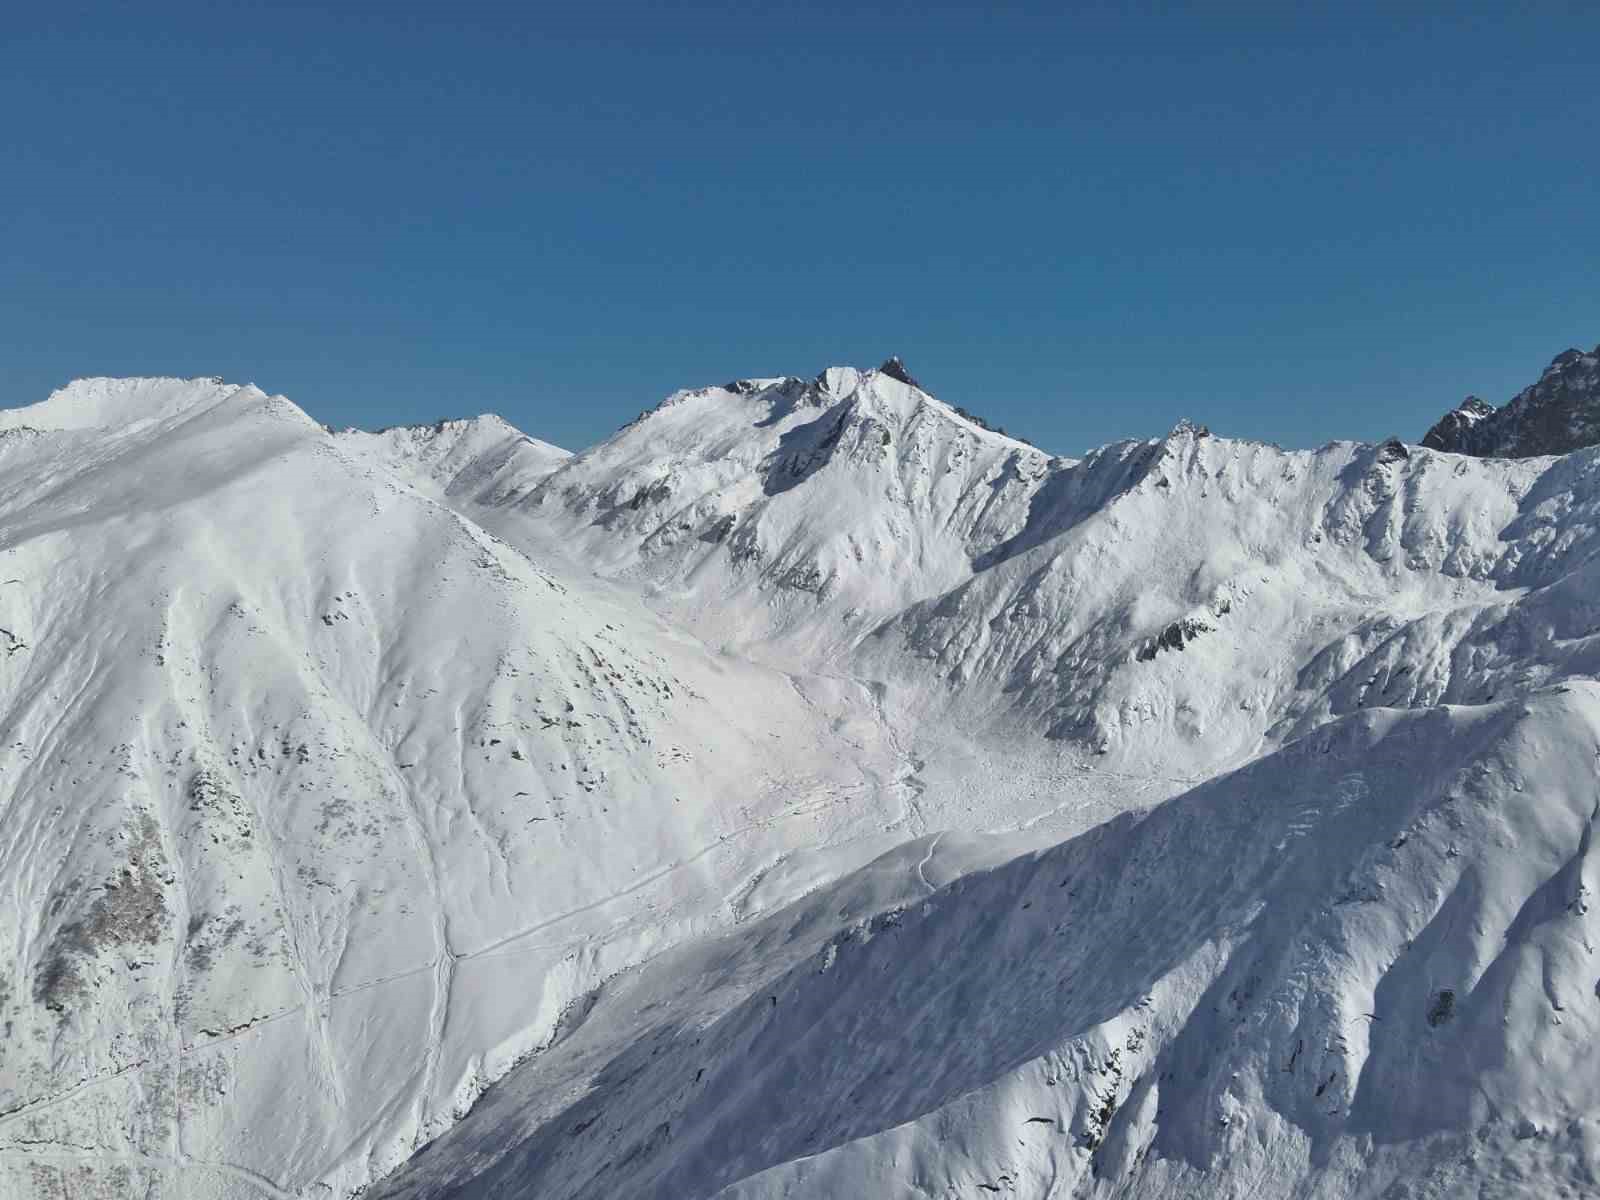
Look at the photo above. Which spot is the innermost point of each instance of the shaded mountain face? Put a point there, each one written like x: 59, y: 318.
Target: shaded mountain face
x: 1557, y: 415
x: 1361, y: 966
x: 808, y: 791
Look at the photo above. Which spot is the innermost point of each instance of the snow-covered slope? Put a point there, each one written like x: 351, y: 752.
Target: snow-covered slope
x: 1158, y: 610
x: 478, y: 459
x: 792, y: 509
x: 318, y: 803
x: 1362, y: 966
x: 808, y: 791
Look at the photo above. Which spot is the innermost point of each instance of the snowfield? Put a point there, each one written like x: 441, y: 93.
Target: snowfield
x: 807, y: 792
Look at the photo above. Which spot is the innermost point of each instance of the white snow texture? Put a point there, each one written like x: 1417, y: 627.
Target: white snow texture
x: 807, y: 792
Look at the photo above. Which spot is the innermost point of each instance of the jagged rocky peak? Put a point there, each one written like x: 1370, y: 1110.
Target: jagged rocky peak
x: 894, y: 368
x: 1559, y: 414
x: 1451, y: 430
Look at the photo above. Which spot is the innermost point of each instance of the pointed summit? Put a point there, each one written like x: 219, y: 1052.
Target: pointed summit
x: 1452, y: 431
x: 894, y: 368
x: 1558, y: 414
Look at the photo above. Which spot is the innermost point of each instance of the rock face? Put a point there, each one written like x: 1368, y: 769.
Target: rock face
x: 1559, y: 414
x: 1453, y: 430
x: 894, y: 368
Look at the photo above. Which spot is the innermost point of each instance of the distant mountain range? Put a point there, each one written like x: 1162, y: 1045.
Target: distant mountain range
x: 809, y: 791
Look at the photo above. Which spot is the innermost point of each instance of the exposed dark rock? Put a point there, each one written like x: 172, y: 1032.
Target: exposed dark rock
x: 1453, y: 428
x: 1174, y: 637
x: 1442, y: 1008
x: 719, y: 529
x: 1392, y: 451
x: 1559, y: 414
x: 895, y: 369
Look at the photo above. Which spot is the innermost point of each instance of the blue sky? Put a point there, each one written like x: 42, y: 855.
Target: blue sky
x: 1292, y: 222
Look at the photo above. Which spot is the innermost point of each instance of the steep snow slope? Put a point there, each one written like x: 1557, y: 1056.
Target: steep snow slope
x: 1212, y: 597
x: 791, y: 509
x: 478, y: 459
x: 1362, y: 966
x: 318, y: 803
x: 1359, y: 965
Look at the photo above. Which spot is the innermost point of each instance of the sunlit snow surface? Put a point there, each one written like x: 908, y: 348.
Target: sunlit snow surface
x: 806, y: 792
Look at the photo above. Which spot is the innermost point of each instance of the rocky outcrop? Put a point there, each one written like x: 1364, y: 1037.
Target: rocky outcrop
x: 1453, y: 430
x: 1559, y: 414
x: 894, y: 368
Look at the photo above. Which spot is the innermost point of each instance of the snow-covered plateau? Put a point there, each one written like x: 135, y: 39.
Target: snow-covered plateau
x: 807, y: 792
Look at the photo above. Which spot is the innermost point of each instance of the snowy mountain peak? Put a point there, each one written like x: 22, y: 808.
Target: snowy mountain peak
x: 320, y: 803
x: 839, y: 381
x: 1185, y: 428
x: 854, y: 489
x: 128, y: 404
x: 484, y: 458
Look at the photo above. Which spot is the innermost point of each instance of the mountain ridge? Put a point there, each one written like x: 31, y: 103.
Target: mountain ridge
x: 1556, y: 415
x: 320, y: 804
x: 390, y: 810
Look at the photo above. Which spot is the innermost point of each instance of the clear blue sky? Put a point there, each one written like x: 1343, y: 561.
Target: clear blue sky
x: 1293, y: 222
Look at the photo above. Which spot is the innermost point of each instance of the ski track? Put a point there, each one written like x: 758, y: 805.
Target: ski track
x: 926, y: 859
x: 442, y: 967
x: 444, y: 961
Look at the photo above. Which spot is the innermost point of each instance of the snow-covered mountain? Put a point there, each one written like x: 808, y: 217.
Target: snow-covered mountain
x: 320, y: 803
x: 1361, y: 966
x: 1159, y: 608
x: 808, y: 791
x: 804, y: 509
x: 1559, y: 413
